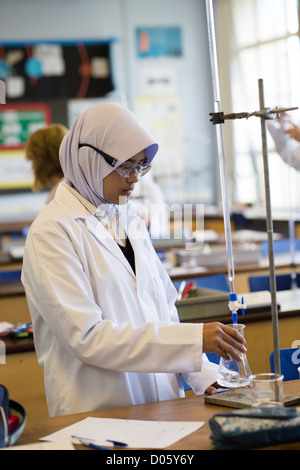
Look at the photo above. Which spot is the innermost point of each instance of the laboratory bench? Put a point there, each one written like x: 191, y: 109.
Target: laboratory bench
x: 23, y: 376
x: 253, y: 218
x: 22, y: 367
x: 259, y: 331
x: 24, y: 379
x: 13, y: 304
x: 14, y: 309
x: 21, y: 373
x: 191, y: 408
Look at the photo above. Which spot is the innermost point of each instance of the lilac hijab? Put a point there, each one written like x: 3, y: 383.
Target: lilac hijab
x: 111, y: 128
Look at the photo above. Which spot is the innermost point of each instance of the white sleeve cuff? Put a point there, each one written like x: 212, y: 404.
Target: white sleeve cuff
x: 200, y: 381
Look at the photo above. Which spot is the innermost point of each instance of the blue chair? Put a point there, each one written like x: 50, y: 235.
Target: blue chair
x: 213, y: 357
x: 283, y: 282
x: 280, y: 246
x: 13, y: 275
x: 289, y: 363
x: 214, y: 282
x: 240, y: 221
x: 185, y: 385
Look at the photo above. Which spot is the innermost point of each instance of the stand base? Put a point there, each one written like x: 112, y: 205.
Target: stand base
x: 241, y: 398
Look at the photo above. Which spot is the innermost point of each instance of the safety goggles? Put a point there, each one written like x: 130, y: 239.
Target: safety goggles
x: 126, y: 169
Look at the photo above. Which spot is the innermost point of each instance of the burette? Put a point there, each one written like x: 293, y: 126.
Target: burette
x: 218, y: 119
x: 233, y: 299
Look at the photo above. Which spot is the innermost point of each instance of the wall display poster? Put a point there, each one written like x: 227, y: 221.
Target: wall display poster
x: 163, y: 116
x: 41, y: 71
x: 17, y: 122
x: 158, y: 42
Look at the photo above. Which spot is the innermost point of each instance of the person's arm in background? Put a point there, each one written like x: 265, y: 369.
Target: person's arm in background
x: 286, y: 144
x: 294, y: 132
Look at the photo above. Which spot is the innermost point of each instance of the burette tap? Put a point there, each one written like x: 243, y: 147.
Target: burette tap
x: 235, y: 305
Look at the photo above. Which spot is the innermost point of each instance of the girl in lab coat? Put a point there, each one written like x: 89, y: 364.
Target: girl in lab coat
x: 106, y: 329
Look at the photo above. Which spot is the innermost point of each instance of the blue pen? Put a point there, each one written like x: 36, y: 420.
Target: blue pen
x: 117, y: 443
x: 99, y: 445
x: 95, y: 446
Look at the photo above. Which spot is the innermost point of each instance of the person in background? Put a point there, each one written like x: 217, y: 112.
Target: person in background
x: 286, y: 137
x: 42, y: 148
x: 105, y: 325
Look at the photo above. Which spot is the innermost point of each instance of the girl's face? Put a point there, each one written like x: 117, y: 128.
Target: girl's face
x: 116, y: 188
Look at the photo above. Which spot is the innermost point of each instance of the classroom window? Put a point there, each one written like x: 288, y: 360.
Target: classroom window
x: 263, y: 43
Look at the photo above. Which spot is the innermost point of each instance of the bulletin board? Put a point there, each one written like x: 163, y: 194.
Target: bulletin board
x: 15, y: 171
x: 40, y: 78
x: 17, y: 122
x: 44, y: 70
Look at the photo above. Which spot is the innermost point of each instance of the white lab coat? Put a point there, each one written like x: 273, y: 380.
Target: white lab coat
x: 288, y: 149
x: 104, y: 336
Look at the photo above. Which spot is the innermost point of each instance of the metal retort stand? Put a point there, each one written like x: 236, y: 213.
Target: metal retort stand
x: 240, y: 397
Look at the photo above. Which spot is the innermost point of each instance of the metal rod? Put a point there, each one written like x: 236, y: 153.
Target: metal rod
x: 270, y: 233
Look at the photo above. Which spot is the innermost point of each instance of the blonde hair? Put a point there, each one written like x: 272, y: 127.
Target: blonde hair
x: 42, y: 148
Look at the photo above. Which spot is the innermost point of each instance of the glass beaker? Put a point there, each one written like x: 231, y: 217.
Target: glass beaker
x: 231, y: 373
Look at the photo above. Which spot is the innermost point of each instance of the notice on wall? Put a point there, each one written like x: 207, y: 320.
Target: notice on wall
x: 158, y: 42
x: 163, y: 116
x: 158, y: 81
x: 17, y: 123
x: 16, y: 172
x: 41, y: 71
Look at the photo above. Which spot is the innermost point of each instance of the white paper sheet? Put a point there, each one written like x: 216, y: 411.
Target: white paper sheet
x: 64, y: 445
x: 6, y: 327
x: 135, y: 433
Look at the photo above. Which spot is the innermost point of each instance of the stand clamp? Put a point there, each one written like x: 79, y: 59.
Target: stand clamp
x: 265, y: 113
